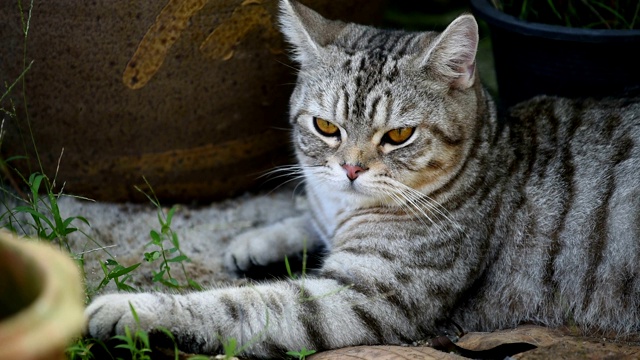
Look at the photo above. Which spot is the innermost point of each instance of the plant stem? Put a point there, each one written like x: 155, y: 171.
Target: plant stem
x: 25, y: 29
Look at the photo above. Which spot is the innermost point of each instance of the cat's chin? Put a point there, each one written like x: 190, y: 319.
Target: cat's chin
x: 360, y: 195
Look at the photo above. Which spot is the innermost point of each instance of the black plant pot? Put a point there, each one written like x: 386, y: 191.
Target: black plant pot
x: 533, y: 58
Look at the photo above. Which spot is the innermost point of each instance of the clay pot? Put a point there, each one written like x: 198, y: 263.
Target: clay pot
x: 41, y: 300
x: 191, y: 94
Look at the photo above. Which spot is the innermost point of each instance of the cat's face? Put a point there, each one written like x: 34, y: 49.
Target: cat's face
x: 376, y: 112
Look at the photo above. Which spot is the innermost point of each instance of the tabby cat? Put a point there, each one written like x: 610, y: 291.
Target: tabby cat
x: 433, y: 210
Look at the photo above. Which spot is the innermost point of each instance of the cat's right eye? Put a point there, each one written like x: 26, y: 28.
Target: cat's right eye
x: 325, y: 127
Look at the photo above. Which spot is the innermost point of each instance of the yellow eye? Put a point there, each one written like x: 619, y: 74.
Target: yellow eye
x: 325, y: 127
x: 398, y: 136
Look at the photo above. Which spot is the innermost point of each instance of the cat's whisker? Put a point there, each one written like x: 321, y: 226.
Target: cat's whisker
x: 423, y: 204
x: 403, y: 203
x: 286, y: 175
x: 438, y: 209
x: 283, y: 168
x: 427, y: 201
x: 296, y: 187
x: 296, y: 171
x: 295, y: 68
x: 412, y: 204
x: 296, y: 178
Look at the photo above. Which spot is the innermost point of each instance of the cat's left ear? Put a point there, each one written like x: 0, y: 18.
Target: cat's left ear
x: 452, y: 54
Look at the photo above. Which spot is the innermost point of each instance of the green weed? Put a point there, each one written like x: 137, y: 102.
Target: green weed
x: 172, y: 255
x: 119, y: 274
x: 47, y: 222
x: 230, y: 348
x: 302, y: 276
x: 301, y: 354
x: 80, y: 350
x: 137, y: 341
x: 597, y: 14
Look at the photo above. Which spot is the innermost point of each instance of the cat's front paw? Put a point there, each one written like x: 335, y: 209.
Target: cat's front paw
x: 248, y: 250
x: 265, y: 246
x: 108, y: 315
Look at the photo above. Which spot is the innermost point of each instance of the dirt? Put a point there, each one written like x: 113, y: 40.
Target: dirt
x: 550, y: 344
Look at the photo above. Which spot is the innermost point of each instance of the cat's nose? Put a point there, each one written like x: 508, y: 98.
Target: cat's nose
x: 353, y: 171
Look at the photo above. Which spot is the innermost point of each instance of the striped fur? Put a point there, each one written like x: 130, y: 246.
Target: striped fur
x: 482, y: 222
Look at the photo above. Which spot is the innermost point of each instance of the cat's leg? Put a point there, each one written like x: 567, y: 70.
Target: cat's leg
x: 268, y: 319
x: 270, y: 244
x: 353, y: 300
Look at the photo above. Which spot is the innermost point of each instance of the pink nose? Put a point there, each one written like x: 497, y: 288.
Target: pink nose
x: 353, y: 171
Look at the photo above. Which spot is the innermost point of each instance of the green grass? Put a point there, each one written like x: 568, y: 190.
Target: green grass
x: 172, y: 255
x: 136, y: 341
x: 592, y: 14
x: 301, y: 354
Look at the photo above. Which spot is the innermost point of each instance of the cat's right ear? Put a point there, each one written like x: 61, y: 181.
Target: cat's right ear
x: 307, y: 31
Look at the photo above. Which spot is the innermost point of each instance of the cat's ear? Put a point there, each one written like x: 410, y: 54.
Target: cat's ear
x: 307, y: 31
x: 452, y: 54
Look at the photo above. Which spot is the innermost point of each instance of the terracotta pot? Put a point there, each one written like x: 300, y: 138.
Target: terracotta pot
x: 41, y: 300
x: 191, y: 94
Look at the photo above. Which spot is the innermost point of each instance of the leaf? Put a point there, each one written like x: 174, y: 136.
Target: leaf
x: 35, y: 214
x: 17, y: 157
x: 178, y: 258
x: 194, y: 284
x: 110, y: 262
x: 68, y: 231
x: 172, y: 211
x: 136, y: 318
x: 131, y: 348
x: 67, y: 222
x: 302, y: 354
x: 161, y: 220
x: 286, y: 264
x: 152, y: 256
x: 124, y: 287
x: 34, y: 183
x: 158, y: 276
x: 83, y: 219
x: 171, y: 282
x: 120, y: 270
x: 230, y: 346
x: 144, y: 338
x: 176, y: 351
x: 53, y: 201
x: 106, y: 279
x: 156, y: 239
x: 174, y: 240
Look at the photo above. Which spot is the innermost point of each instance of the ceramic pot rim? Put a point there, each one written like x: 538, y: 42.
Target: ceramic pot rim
x: 55, y: 316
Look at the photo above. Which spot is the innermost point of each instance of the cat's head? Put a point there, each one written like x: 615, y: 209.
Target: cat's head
x: 374, y: 111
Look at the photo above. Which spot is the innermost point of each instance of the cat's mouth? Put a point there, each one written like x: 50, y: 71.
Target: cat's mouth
x: 351, y: 187
x: 359, y: 188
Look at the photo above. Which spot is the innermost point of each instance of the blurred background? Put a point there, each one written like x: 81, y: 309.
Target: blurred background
x: 191, y: 95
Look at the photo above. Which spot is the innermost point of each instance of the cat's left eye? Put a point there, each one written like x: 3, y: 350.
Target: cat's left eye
x: 398, y: 136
